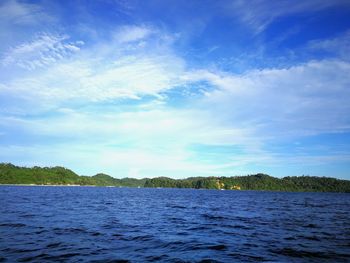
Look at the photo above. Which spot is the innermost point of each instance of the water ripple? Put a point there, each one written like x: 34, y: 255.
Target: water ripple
x: 92, y: 224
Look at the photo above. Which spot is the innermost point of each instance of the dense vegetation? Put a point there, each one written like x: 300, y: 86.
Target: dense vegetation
x: 257, y: 182
x: 10, y: 174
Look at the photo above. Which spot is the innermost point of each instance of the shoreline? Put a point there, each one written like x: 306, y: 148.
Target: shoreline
x: 69, y: 185
x: 229, y: 190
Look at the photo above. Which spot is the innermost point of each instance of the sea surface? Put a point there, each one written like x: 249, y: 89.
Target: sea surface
x: 102, y: 224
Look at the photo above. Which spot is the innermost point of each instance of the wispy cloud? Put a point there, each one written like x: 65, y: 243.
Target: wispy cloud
x: 103, y: 72
x: 86, y: 80
x: 305, y: 99
x: 259, y: 14
x: 126, y: 34
x: 15, y: 12
x: 44, y: 50
x: 338, y: 46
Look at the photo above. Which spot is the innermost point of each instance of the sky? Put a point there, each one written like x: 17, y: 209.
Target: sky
x: 136, y: 88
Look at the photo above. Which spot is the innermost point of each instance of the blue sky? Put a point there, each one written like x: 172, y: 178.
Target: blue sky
x: 176, y: 88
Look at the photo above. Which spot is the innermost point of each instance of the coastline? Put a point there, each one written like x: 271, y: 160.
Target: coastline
x: 229, y: 190
x: 69, y: 185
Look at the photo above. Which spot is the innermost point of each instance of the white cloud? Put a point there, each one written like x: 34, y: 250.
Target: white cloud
x: 149, y: 143
x: 15, y: 12
x: 126, y: 34
x: 99, y: 73
x: 339, y: 46
x: 86, y: 81
x: 161, y: 126
x: 44, y: 50
x: 154, y: 141
x: 309, y: 98
x: 120, y: 163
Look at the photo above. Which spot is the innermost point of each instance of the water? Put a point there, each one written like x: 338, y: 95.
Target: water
x: 100, y: 224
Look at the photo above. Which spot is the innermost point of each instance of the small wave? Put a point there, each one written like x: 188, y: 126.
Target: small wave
x: 242, y: 227
x: 110, y: 261
x: 217, y: 247
x: 176, y: 206
x: 76, y: 230
x: 213, y: 217
x: 40, y: 231
x: 54, y: 245
x: 12, y: 225
x: 70, y: 230
x: 45, y: 256
x: 20, y: 250
x: 157, y: 258
x: 26, y: 216
x: 69, y: 255
x: 174, y: 244
x: 313, y: 238
x: 291, y: 252
x: 177, y: 220
x: 310, y: 226
x: 208, y: 260
x: 142, y: 238
x: 41, y: 257
x: 250, y: 245
x: 111, y: 224
x: 27, y: 259
x: 196, y: 228
x: 245, y: 257
x: 99, y: 251
x: 290, y: 238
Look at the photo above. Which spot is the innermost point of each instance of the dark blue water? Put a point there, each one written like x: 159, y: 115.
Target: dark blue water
x: 98, y: 224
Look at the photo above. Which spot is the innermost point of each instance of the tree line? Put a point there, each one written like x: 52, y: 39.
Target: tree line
x: 256, y: 182
x: 11, y: 174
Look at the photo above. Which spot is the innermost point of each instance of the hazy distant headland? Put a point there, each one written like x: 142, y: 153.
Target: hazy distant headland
x: 11, y: 174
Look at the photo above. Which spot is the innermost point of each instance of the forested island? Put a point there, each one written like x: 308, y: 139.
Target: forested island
x: 11, y: 174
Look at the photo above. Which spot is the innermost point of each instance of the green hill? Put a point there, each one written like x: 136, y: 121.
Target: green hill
x: 11, y: 174
x: 256, y: 182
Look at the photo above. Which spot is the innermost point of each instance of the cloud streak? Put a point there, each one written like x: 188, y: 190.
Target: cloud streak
x: 63, y: 71
x: 338, y: 46
x: 259, y: 14
x: 44, y: 50
x: 127, y: 34
x: 304, y: 99
x: 23, y: 14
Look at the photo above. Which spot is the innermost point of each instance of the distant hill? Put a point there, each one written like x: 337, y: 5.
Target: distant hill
x: 11, y: 174
x: 257, y: 182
